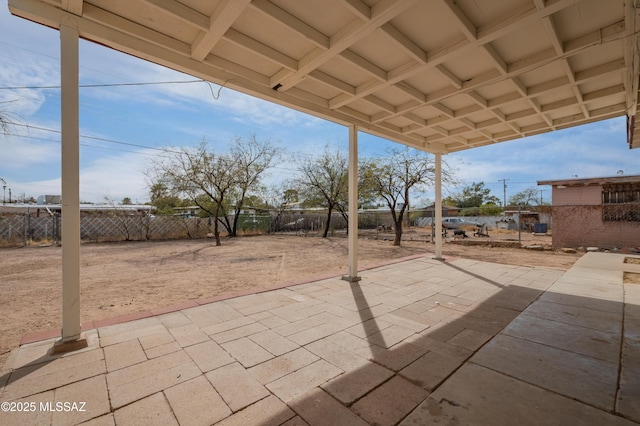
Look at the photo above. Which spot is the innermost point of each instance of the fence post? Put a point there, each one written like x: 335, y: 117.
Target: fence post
x: 55, y: 228
x: 24, y: 230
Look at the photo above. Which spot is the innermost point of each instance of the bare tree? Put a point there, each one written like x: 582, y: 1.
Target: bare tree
x: 199, y: 174
x: 392, y: 178
x: 251, y: 159
x: 8, y: 118
x: 527, y: 197
x: 323, y: 182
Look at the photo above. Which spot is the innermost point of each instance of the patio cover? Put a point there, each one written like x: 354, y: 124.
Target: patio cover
x: 438, y: 75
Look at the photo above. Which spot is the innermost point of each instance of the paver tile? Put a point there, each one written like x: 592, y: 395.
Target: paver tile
x: 318, y: 408
x: 40, y: 352
x: 273, y: 342
x: 368, y: 327
x: 628, y: 403
x: 201, y: 316
x: 225, y: 311
x: 431, y: 369
x: 124, y: 354
x: 226, y: 325
x: 405, y: 319
x: 582, y: 302
x: 600, y: 320
x: 237, y: 387
x: 577, y: 376
x: 141, y: 380
x: 632, y: 329
x: 174, y: 319
x: 106, y: 420
x: 130, y: 326
x: 586, y: 341
x: 475, y: 395
x: 348, y: 341
x: 196, y: 402
x: 391, y: 402
x: 158, y: 339
x: 280, y: 366
x: 158, y: 351
x: 237, y: 333
x: 187, y: 335
x: 470, y: 339
x: 295, y: 421
x: 273, y: 321
x: 129, y: 333
x: 152, y: 410
x: 353, y: 384
x: 56, y: 373
x: 303, y: 380
x: 269, y: 411
x: 395, y: 358
x: 319, y: 332
x: 247, y: 352
x: 390, y: 336
x: 90, y: 397
x: 208, y: 355
x: 303, y: 324
x: 37, y: 417
x: 336, y: 355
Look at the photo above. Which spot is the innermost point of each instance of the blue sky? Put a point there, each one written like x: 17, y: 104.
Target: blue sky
x: 123, y: 127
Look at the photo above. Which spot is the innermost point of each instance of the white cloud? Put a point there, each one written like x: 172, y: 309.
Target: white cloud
x: 115, y: 177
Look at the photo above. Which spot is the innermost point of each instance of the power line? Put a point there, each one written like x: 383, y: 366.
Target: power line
x: 44, y: 129
x: 163, y: 150
x: 150, y: 83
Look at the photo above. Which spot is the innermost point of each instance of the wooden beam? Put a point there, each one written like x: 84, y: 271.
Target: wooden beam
x: 72, y: 6
x: 221, y: 20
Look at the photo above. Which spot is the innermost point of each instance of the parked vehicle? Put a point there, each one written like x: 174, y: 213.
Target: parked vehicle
x: 456, y: 222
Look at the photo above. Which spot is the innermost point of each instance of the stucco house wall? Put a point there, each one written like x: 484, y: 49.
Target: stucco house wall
x: 578, y: 220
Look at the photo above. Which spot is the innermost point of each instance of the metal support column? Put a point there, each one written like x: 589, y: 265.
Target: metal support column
x: 438, y: 208
x: 353, y: 206
x: 70, y: 183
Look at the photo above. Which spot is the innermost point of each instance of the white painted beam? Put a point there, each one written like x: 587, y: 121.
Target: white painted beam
x: 184, y: 13
x: 438, y: 207
x: 70, y: 122
x: 223, y: 17
x: 72, y: 6
x: 352, y: 275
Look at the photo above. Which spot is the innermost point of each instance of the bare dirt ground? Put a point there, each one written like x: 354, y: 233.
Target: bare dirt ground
x: 122, y: 278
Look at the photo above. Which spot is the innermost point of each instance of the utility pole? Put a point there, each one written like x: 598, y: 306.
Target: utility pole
x: 541, y: 191
x: 504, y: 187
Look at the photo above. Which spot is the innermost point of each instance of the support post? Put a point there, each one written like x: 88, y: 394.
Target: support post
x: 353, y: 206
x: 438, y: 208
x: 69, y: 64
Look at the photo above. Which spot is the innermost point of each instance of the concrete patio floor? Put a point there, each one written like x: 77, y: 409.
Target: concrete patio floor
x: 414, y: 343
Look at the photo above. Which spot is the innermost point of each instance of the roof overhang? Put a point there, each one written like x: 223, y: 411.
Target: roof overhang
x: 441, y: 75
x: 591, y: 181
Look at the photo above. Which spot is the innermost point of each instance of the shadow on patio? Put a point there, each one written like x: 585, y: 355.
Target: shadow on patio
x: 417, y: 342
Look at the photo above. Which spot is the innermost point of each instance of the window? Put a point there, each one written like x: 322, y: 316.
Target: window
x: 621, y: 202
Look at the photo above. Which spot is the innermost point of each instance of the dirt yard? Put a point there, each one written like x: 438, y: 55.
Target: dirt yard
x: 121, y: 278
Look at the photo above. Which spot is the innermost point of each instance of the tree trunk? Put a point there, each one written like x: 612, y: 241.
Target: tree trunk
x: 398, y: 225
x: 326, y: 228
x: 231, y: 229
x: 398, y: 239
x: 216, y: 230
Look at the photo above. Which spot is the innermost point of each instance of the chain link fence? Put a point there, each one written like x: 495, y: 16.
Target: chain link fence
x: 23, y: 229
